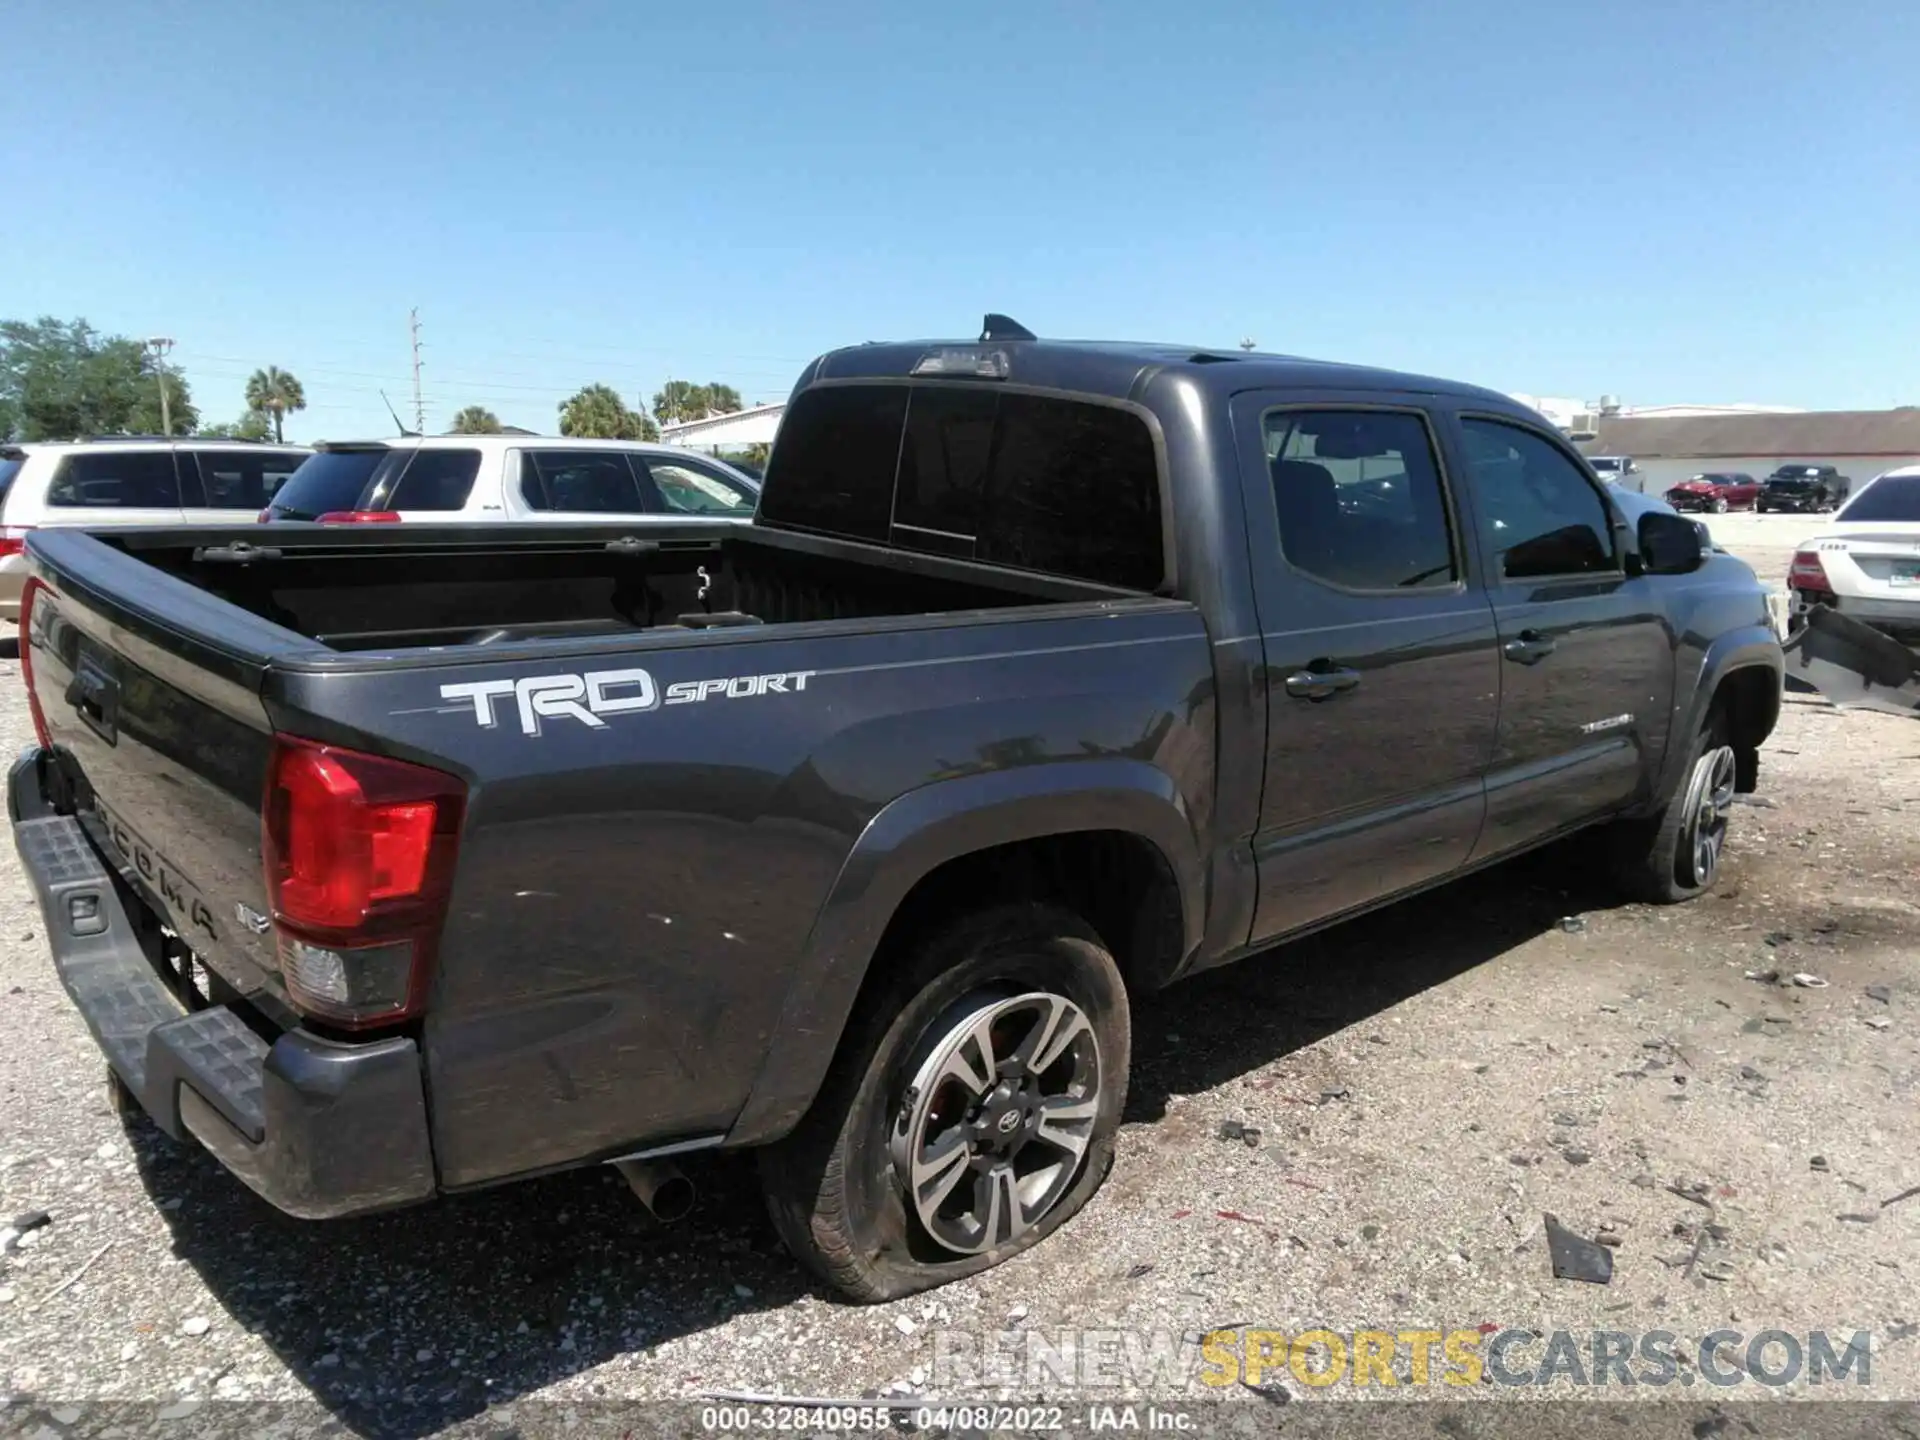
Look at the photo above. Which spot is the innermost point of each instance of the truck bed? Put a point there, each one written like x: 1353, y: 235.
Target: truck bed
x: 378, y: 589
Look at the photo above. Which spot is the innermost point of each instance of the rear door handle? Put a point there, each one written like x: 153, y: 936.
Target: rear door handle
x: 1530, y: 648
x: 1321, y: 684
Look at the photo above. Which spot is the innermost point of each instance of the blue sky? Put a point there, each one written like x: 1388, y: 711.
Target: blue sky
x: 1669, y: 200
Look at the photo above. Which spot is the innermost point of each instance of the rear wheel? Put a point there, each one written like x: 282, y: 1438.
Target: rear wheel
x: 1719, y: 504
x: 1676, y: 854
x: 970, y: 1112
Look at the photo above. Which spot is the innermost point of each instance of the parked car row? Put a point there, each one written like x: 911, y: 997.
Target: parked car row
x: 134, y: 480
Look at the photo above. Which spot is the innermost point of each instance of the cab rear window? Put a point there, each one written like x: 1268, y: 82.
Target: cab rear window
x: 1069, y: 487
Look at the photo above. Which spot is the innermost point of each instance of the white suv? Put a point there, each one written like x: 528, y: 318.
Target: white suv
x: 131, y: 481
x: 510, y: 477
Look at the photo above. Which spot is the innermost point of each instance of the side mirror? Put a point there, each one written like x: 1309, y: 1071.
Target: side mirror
x: 1670, y: 544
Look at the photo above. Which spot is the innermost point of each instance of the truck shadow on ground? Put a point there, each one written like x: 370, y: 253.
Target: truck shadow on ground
x: 405, y: 1323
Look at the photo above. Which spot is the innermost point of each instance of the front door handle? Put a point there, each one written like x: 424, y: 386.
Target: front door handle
x: 1530, y: 648
x: 1321, y: 684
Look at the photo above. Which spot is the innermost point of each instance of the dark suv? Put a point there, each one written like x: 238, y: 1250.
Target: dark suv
x: 1804, y: 488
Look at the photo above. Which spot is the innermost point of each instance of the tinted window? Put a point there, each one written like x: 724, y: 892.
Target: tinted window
x: 832, y: 467
x: 239, y: 480
x: 594, y: 482
x: 330, y: 480
x: 1064, y: 486
x: 692, y: 489
x: 110, y: 479
x: 8, y: 469
x: 1893, y: 497
x: 943, y: 464
x: 1075, y: 490
x: 1539, y: 513
x: 435, y: 480
x: 1359, y: 498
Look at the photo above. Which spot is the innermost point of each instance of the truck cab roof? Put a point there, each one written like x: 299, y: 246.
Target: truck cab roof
x: 1117, y: 369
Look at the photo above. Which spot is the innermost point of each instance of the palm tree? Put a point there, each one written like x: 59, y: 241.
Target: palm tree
x: 274, y: 392
x: 475, y: 420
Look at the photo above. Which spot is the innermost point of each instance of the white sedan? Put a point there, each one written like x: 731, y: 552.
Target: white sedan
x: 1866, y: 564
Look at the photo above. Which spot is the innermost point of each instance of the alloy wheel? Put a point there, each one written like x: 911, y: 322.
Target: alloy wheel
x: 1709, y: 803
x: 998, y: 1117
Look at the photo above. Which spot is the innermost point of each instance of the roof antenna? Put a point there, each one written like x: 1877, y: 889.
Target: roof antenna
x: 406, y: 433
x: 999, y: 327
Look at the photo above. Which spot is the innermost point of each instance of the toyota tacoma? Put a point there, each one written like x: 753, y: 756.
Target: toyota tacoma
x: 387, y: 862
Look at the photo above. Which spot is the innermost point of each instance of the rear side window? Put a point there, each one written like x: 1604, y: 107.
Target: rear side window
x: 329, y: 481
x: 8, y: 469
x: 238, y: 480
x: 435, y: 480
x: 116, y: 480
x: 1358, y: 497
x: 1539, y: 513
x: 1890, y: 498
x: 1064, y: 486
x: 589, y: 482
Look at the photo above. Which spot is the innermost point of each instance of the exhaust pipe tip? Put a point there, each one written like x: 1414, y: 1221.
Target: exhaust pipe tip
x: 659, y: 1185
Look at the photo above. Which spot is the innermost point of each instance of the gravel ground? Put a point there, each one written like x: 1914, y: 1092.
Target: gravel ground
x: 1426, y: 1082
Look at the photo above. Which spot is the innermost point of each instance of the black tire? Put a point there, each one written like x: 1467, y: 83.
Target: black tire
x: 832, y: 1186
x: 1719, y: 504
x: 1655, y: 858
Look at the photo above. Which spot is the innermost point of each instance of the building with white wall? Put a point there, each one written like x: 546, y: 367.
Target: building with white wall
x: 1669, y: 446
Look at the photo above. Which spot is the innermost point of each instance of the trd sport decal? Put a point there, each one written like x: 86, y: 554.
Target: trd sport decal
x: 586, y: 698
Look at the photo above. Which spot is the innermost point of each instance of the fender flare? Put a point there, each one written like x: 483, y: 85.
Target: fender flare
x: 906, y: 841
x: 1751, y: 647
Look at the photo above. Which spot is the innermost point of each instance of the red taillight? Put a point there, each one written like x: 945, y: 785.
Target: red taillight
x: 361, y: 517
x: 32, y: 588
x: 13, y: 540
x: 1807, y: 573
x: 359, y: 854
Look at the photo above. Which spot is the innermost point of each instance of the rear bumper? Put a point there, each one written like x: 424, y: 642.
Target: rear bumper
x: 318, y: 1129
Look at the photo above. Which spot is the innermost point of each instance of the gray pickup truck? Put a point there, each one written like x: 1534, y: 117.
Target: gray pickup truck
x: 388, y: 861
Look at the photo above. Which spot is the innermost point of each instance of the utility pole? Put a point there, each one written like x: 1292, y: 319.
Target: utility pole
x: 1248, y: 343
x: 157, y: 347
x: 419, y: 409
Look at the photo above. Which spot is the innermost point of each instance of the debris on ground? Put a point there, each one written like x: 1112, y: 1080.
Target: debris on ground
x: 1882, y: 993
x: 1572, y: 924
x: 1818, y: 1162
x: 1765, y: 977
x: 1238, y: 1130
x: 1144, y: 1268
x: 1332, y: 1093
x: 1878, y: 1022
x: 1907, y: 1194
x: 1576, y: 1258
x: 1809, y: 982
x: 195, y: 1325
x: 1776, y: 938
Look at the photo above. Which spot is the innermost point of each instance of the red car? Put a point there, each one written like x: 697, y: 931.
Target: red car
x: 1718, y: 493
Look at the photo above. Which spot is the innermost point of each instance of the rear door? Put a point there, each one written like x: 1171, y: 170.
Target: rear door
x: 568, y: 485
x: 219, y: 486
x: 1586, y: 653
x: 114, y: 485
x: 1381, y: 662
